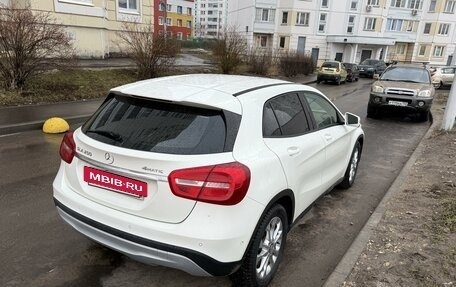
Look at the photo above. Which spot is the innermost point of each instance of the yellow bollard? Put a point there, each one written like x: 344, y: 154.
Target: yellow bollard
x: 55, y: 126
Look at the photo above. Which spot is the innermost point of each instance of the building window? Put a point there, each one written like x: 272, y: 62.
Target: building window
x: 427, y: 28
x: 444, y: 29
x: 324, y: 3
x: 282, y: 42
x: 265, y: 15
x: 169, y: 22
x: 410, y: 26
x: 168, y: 7
x: 179, y: 35
x: 394, y: 25
x: 203, y: 12
x: 422, y: 50
x: 128, y: 4
x: 351, y: 24
x: 432, y: 5
x: 415, y: 4
x: 160, y: 20
x: 322, y: 23
x: 398, y: 3
x: 369, y: 24
x: 189, y: 11
x: 285, y: 17
x: 449, y: 6
x: 372, y: 2
x: 262, y: 41
x: 179, y: 22
x: 438, y: 51
x: 302, y: 18
x: 400, y: 49
x: 189, y: 24
x: 161, y: 7
x: 203, y: 5
x: 179, y: 10
x: 354, y: 5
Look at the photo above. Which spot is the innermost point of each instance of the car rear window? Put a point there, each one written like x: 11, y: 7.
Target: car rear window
x: 330, y: 65
x: 155, y: 126
x: 369, y: 62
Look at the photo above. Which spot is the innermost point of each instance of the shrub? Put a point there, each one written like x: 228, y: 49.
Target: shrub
x: 153, y: 54
x: 259, y: 61
x: 229, y: 50
x: 30, y: 43
x: 292, y: 64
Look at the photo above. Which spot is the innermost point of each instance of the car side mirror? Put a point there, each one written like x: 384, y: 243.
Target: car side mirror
x: 351, y: 119
x: 376, y: 76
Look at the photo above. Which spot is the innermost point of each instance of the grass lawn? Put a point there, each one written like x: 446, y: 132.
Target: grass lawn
x: 61, y: 86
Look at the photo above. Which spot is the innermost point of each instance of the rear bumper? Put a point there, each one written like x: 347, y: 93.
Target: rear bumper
x: 212, y: 240
x: 367, y: 73
x: 328, y: 77
x: 145, y: 250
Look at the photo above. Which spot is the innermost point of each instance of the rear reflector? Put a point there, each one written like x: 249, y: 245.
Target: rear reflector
x: 67, y: 147
x: 224, y: 184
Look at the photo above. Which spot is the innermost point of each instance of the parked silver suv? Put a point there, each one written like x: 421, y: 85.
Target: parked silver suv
x: 404, y: 87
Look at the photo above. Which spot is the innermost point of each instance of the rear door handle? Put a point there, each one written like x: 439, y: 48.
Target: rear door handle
x: 328, y: 137
x: 294, y: 150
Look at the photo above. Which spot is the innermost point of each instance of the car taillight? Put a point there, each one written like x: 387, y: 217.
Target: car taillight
x: 337, y: 70
x: 321, y: 69
x: 432, y: 74
x: 67, y: 147
x: 224, y: 184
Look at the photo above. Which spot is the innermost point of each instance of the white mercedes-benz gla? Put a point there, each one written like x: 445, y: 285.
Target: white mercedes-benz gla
x: 205, y: 173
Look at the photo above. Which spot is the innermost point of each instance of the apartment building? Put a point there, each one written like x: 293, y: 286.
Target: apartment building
x: 210, y: 18
x: 92, y: 24
x: 350, y: 30
x: 174, y: 17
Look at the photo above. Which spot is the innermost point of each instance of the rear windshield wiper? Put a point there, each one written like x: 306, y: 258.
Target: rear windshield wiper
x: 108, y: 134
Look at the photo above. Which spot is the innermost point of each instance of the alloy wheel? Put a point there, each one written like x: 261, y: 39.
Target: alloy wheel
x: 269, y: 247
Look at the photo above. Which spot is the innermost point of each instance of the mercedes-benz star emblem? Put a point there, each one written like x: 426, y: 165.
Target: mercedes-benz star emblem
x: 109, y: 158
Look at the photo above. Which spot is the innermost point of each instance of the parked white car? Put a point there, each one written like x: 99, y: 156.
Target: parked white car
x: 442, y: 76
x: 205, y: 173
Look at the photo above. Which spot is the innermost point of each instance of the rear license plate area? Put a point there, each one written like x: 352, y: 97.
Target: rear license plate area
x: 114, y: 182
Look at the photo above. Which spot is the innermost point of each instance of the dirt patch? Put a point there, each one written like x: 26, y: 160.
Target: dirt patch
x: 415, y: 242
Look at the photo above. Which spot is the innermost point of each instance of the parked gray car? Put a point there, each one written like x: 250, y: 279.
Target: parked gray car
x: 370, y: 67
x: 404, y: 87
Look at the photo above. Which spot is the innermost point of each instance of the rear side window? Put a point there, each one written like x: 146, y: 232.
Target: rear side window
x: 148, y: 125
x: 284, y: 116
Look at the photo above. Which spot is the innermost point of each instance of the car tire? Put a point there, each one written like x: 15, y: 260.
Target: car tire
x: 423, y: 116
x: 356, y: 79
x: 267, y: 243
x: 338, y: 81
x: 352, y: 168
x: 372, y: 112
x: 439, y: 86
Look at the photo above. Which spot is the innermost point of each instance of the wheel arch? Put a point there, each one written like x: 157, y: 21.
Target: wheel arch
x: 285, y: 198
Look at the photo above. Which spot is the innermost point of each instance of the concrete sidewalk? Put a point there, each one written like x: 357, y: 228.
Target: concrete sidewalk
x: 24, y: 118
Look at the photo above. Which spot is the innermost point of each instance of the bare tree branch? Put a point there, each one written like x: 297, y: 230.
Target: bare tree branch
x: 30, y: 42
x: 229, y: 50
x: 153, y: 54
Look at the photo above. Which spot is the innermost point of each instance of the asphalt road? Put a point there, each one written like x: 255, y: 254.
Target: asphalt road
x: 38, y: 249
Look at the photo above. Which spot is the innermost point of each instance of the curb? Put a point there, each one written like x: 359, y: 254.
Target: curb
x: 37, y: 125
x: 346, y: 264
x: 310, y: 82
